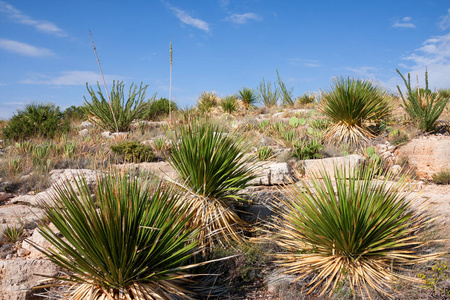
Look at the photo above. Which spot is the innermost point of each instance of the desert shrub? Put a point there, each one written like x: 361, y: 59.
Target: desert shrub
x: 228, y: 104
x: 13, y: 234
x: 351, y: 230
x: 74, y: 113
x: 127, y: 241
x: 159, y: 108
x: 248, y: 97
x: 35, y: 120
x: 268, y: 96
x: 264, y: 153
x: 121, y: 113
x: 213, y: 167
x: 442, y: 177
x: 206, y: 101
x: 423, y: 106
x: 132, y: 151
x: 351, y: 104
x: 307, y: 149
x: 306, y: 98
x: 286, y: 95
x: 397, y: 137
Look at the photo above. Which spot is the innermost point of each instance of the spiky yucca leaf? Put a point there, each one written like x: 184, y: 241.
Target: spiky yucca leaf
x: 248, y: 97
x: 213, y: 166
x: 229, y: 104
x: 351, y: 104
x: 422, y: 106
x: 130, y: 241
x: 206, y: 101
x: 124, y: 111
x: 354, y: 229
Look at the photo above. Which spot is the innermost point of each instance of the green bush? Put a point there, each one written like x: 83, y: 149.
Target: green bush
x: 121, y: 112
x: 442, y: 177
x: 36, y: 120
x: 351, y: 105
x: 127, y: 241
x: 214, y: 167
x: 423, y: 106
x: 307, y: 149
x: 206, y: 101
x: 268, y: 96
x: 248, y: 97
x: 132, y: 151
x: 74, y: 113
x: 350, y: 230
x: 159, y: 108
x: 229, y: 104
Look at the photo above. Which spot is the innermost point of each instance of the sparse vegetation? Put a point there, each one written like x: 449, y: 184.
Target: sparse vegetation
x: 248, y: 97
x: 121, y: 111
x: 351, y: 104
x: 132, y: 242
x: 132, y: 151
x: 214, y: 169
x: 229, y: 104
x: 383, y: 232
x: 35, y: 120
x: 442, y: 177
x: 206, y: 101
x: 159, y: 108
x: 422, y: 105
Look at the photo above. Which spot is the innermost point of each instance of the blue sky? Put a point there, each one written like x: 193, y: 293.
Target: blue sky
x: 218, y: 45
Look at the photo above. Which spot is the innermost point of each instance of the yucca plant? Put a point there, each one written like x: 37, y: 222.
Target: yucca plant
x: 352, y: 230
x: 248, y: 97
x: 127, y: 241
x: 213, y: 167
x: 206, y: 101
x: 351, y: 105
x: 268, y: 96
x: 286, y: 95
x: 264, y: 153
x: 125, y: 111
x: 423, y: 106
x: 229, y: 104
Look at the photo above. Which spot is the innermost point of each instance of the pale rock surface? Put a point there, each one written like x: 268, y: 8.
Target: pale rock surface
x: 38, y: 240
x: 313, y: 167
x: 273, y: 174
x: 83, y: 132
x: 87, y: 124
x: 19, y: 275
x: 429, y: 155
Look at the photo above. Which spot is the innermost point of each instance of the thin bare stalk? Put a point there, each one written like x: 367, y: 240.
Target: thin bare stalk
x: 170, y: 84
x: 104, y: 83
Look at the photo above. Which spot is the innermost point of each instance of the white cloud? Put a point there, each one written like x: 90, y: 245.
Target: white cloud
x: 19, y: 17
x: 364, y: 71
x: 444, y: 21
x: 243, y: 18
x: 224, y: 3
x: 434, y: 55
x: 188, y: 20
x: 24, y: 49
x: 305, y: 62
x: 70, y: 78
x: 403, y: 23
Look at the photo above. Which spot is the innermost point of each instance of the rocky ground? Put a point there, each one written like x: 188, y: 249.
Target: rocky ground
x: 21, y: 264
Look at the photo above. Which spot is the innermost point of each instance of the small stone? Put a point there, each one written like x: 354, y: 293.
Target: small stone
x: 106, y: 134
x: 22, y: 252
x: 87, y: 124
x: 83, y: 132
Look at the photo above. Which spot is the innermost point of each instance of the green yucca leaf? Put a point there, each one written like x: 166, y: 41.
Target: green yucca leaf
x: 125, y: 111
x: 352, y: 228
x: 131, y: 238
x: 214, y: 167
x: 351, y: 104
